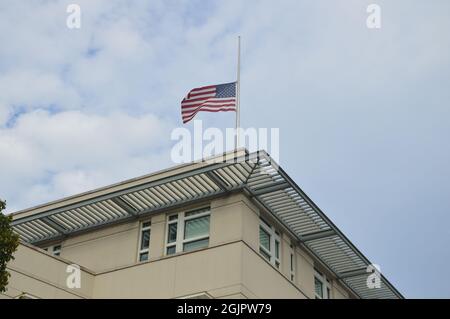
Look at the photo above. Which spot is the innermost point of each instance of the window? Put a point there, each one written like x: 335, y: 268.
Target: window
x: 54, y: 250
x: 269, y: 243
x: 57, y: 250
x: 144, y: 241
x: 322, y: 286
x: 187, y: 231
x: 292, y: 262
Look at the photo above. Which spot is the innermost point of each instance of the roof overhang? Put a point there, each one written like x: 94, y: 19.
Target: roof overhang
x: 256, y: 174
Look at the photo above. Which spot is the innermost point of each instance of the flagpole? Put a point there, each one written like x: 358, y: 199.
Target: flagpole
x: 238, y: 93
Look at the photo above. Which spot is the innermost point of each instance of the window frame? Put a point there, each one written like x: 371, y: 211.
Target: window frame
x: 274, y: 239
x: 326, y: 285
x: 292, y: 263
x: 54, y: 250
x: 141, y: 250
x: 180, y: 221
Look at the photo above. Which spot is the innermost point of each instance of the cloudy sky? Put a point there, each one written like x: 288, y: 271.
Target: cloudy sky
x: 364, y: 114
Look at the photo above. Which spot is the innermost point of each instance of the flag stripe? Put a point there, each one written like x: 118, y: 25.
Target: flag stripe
x: 230, y: 105
x: 203, y: 88
x: 193, y: 101
x: 207, y: 104
x: 211, y: 101
x: 188, y: 118
x: 200, y: 93
x: 207, y: 108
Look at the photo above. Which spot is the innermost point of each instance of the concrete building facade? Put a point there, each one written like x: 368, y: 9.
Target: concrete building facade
x: 230, y: 227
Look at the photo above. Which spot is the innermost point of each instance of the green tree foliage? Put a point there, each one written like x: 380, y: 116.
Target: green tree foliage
x: 8, y: 245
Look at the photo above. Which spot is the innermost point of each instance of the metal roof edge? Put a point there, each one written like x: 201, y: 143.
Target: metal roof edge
x: 325, y: 217
x: 171, y: 171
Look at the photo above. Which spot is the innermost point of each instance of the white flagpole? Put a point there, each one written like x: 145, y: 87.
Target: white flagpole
x: 238, y: 89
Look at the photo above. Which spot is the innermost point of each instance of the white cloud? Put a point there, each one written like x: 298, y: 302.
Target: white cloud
x: 35, y: 89
x: 42, y: 152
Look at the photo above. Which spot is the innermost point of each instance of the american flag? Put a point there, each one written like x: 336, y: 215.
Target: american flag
x: 212, y: 98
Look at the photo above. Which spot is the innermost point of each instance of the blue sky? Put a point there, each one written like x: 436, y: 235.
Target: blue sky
x: 363, y: 114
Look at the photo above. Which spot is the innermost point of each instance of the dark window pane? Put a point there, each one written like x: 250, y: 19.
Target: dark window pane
x: 172, y: 234
x: 266, y: 255
x: 145, y: 239
x: 318, y: 286
x: 171, y: 250
x: 143, y: 256
x: 196, y: 244
x: 146, y: 224
x: 264, y: 238
x: 277, y: 249
x: 196, y: 227
x: 195, y: 212
x: 292, y: 262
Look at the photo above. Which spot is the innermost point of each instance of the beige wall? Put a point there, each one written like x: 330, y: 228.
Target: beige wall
x: 223, y: 271
x: 230, y: 267
x: 215, y: 270
x: 105, y: 249
x: 39, y: 274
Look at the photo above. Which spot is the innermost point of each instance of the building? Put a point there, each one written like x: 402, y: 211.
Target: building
x: 239, y: 228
